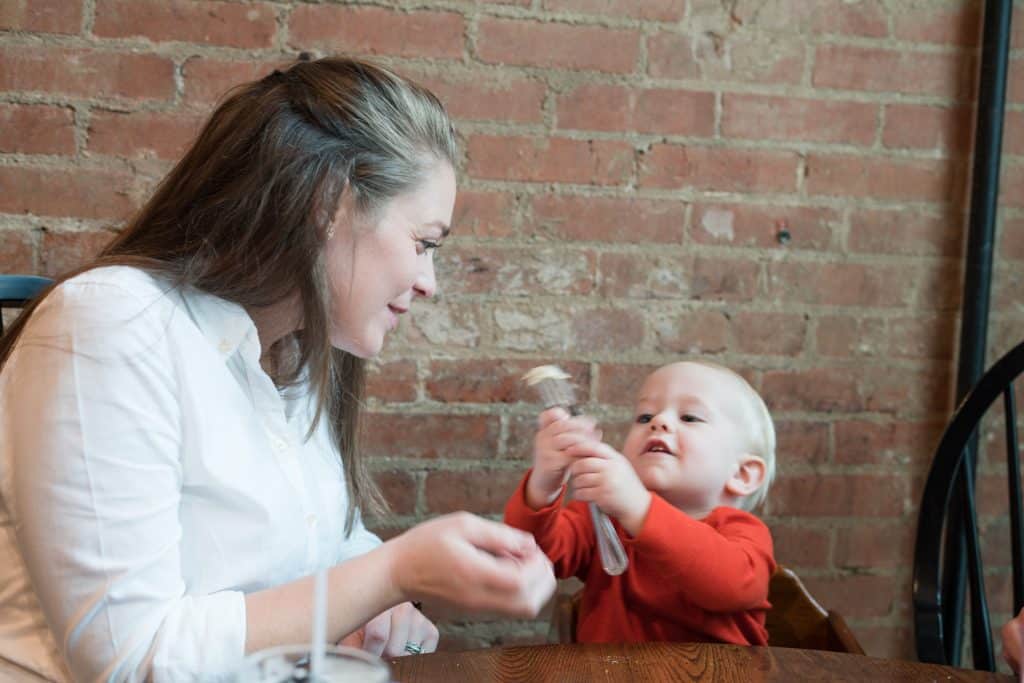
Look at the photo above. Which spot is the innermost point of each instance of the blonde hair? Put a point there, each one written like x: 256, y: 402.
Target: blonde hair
x: 761, y: 434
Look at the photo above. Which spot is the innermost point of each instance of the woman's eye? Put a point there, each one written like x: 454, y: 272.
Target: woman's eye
x: 423, y: 246
x: 687, y: 417
x: 643, y: 419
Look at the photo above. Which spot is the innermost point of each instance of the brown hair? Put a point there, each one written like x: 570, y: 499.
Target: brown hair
x: 244, y: 214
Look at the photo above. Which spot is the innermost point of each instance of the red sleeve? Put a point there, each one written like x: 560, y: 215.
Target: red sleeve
x: 565, y: 534
x: 722, y: 563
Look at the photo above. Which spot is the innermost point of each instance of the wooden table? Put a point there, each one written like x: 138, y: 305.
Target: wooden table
x: 662, y: 662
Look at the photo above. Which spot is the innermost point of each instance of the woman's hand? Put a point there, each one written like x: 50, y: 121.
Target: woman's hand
x: 603, y: 476
x: 556, y: 432
x: 1013, y: 643
x: 472, y: 564
x: 388, y: 633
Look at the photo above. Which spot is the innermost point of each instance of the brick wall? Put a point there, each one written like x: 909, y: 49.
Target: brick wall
x: 632, y: 170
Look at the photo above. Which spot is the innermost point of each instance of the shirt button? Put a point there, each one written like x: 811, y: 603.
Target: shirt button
x: 224, y: 346
x: 311, y: 521
x: 280, y: 444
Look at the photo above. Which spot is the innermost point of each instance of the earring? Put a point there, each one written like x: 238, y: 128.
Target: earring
x: 330, y: 231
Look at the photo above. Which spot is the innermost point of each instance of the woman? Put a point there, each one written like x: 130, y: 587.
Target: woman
x: 179, y: 417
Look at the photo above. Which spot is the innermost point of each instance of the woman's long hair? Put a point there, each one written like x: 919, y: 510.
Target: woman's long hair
x: 244, y: 215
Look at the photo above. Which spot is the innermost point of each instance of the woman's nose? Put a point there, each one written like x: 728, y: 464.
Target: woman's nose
x: 426, y: 282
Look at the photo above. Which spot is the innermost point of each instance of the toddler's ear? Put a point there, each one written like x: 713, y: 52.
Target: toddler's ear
x: 748, y: 477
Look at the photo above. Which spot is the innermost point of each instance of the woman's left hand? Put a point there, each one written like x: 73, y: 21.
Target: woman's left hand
x: 395, y: 633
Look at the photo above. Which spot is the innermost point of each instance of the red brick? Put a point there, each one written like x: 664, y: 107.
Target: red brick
x: 488, y: 96
x: 449, y: 325
x: 1008, y: 283
x: 839, y: 495
x: 560, y: 46
x: 863, y: 19
x: 851, y: 336
x: 859, y: 596
x: 249, y: 25
x: 42, y: 16
x: 719, y: 169
x: 1015, y: 79
x: 759, y: 225
x: 885, y: 178
x: 848, y: 67
x: 759, y: 117
x: 430, y: 437
x: 17, y: 253
x: 931, y: 337
x: 799, y: 547
x: 775, y: 334
x: 939, y: 287
x: 918, y: 126
x: 521, y: 327
x: 652, y: 10
x: 494, y: 380
x: 87, y: 73
x: 1011, y: 239
x: 799, y: 442
x: 955, y: 25
x: 595, y: 162
x: 481, y: 213
x: 1013, y: 132
x: 819, y: 389
x: 841, y: 284
x: 395, y: 381
x: 874, y: 545
x: 373, y: 30
x: 1011, y: 184
x: 607, y: 219
x: 618, y: 383
x: 479, y: 491
x: 644, y: 275
x: 908, y: 233
x: 913, y: 393
x: 672, y: 55
x: 77, y: 193
x: 899, y: 444
x: 142, y: 135
x: 718, y: 279
x: 616, y: 108
x: 691, y: 332
x: 605, y: 329
x: 713, y: 59
x: 62, y: 251
x: 399, y: 490
x: 37, y: 129
x: 208, y: 80
x: 519, y: 271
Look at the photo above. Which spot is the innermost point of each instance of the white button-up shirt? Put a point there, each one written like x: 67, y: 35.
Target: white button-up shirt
x: 151, y: 474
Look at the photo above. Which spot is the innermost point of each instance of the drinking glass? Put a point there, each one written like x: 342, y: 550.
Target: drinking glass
x: 288, y: 663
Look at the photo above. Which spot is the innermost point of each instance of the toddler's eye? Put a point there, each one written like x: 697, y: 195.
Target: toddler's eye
x: 423, y: 246
x: 643, y: 418
x: 687, y: 417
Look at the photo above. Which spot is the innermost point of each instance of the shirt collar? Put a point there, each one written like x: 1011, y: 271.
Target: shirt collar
x: 224, y: 324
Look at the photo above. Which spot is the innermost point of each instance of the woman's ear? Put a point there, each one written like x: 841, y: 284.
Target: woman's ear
x: 748, y: 477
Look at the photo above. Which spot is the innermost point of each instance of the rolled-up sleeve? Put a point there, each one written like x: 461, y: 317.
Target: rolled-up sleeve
x: 95, y: 492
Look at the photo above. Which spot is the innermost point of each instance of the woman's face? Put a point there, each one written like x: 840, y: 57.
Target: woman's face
x: 378, y: 264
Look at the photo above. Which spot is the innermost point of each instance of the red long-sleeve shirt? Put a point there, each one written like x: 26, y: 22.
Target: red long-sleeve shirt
x: 688, y: 580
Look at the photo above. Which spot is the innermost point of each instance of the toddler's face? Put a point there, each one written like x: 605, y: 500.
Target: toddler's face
x: 687, y: 436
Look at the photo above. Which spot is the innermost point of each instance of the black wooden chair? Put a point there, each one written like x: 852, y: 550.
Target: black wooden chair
x: 17, y: 290
x: 937, y: 611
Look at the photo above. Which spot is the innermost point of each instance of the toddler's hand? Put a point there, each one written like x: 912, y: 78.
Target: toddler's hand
x: 556, y: 432
x: 603, y: 476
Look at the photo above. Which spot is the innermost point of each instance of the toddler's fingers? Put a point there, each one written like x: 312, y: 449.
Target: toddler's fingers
x: 551, y: 416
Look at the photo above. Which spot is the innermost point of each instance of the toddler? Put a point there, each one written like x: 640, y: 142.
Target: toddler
x: 699, y: 456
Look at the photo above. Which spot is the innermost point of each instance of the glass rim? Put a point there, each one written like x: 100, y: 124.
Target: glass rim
x: 304, y: 648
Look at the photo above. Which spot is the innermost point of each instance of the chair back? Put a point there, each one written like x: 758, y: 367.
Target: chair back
x: 18, y: 290
x: 935, y: 606
x: 796, y: 619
